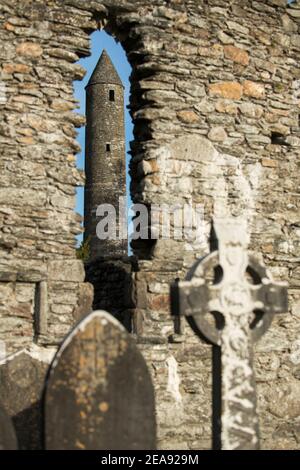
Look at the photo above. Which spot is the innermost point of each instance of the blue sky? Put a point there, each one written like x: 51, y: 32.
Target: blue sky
x: 99, y: 41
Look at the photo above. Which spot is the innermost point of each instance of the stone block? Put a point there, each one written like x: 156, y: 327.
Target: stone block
x: 229, y: 90
x: 188, y: 116
x: 16, y: 68
x: 253, y: 89
x: 217, y: 134
x: 66, y: 270
x: 251, y: 110
x: 29, y: 49
x: 85, y: 301
x: 236, y: 54
x: 22, y: 196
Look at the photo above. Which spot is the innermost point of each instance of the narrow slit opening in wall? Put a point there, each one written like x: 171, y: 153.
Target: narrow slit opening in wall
x: 277, y: 138
x: 101, y: 41
x: 111, y: 95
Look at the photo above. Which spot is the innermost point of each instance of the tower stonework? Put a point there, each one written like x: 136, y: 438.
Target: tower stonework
x: 104, y: 153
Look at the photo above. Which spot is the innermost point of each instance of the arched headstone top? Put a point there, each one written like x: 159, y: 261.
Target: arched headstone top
x: 99, y: 393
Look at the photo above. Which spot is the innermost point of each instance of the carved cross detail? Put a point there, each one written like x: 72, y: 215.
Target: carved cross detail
x: 243, y: 311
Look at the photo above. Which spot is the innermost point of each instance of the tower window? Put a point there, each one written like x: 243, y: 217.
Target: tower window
x: 108, y: 147
x: 111, y: 95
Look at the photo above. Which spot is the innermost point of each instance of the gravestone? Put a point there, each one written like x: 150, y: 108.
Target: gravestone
x: 99, y: 394
x: 8, y: 440
x: 21, y: 385
x: 232, y: 312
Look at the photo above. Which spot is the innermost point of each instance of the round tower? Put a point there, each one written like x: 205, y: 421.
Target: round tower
x: 104, y: 154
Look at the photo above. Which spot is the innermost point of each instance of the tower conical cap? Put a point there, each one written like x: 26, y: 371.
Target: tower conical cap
x: 104, y: 72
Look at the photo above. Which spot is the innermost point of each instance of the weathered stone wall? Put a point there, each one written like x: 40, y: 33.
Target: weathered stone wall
x: 114, y: 288
x: 215, y: 106
x: 38, y: 180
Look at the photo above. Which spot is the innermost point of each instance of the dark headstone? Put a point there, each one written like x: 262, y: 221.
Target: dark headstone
x: 8, y: 440
x: 99, y: 394
x: 21, y: 385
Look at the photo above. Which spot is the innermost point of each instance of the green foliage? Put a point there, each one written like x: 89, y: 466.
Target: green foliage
x: 83, y: 251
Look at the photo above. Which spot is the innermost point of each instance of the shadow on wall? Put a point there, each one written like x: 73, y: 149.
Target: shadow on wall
x: 28, y: 425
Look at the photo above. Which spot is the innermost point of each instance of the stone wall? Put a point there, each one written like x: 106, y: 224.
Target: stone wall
x: 114, y: 288
x: 215, y: 106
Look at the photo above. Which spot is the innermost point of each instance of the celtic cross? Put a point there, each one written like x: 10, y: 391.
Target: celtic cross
x: 245, y: 298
